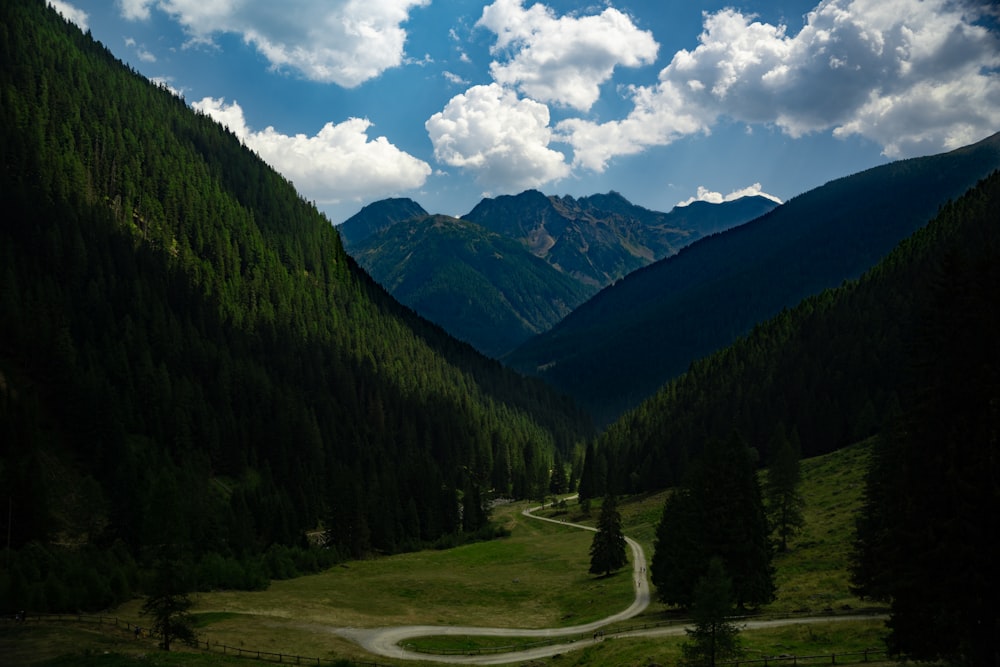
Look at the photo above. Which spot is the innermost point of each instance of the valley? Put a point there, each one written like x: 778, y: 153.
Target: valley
x: 536, y: 578
x: 217, y: 423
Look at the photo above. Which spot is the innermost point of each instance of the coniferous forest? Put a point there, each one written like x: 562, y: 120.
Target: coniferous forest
x: 827, y: 373
x: 191, y: 365
x: 188, y: 357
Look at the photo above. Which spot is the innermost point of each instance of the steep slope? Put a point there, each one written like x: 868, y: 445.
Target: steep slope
x: 479, y: 286
x: 185, y: 341
x: 836, y: 368
x: 515, y: 266
x: 378, y: 217
x: 623, y: 344
x: 602, y: 238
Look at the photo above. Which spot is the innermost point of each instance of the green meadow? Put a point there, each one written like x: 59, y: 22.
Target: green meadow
x: 537, y: 577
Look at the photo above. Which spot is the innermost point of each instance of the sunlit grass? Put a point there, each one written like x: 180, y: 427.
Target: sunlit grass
x: 537, y: 577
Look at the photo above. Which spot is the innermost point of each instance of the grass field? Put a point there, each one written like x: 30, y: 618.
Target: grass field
x: 535, y: 578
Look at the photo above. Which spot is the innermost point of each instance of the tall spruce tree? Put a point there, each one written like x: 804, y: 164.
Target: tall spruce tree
x: 558, y: 483
x: 607, y: 551
x: 926, y: 537
x: 717, y: 512
x: 714, y: 637
x: 167, y: 603
x: 784, y: 501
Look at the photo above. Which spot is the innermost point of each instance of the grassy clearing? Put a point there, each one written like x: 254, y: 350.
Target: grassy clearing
x: 824, y: 640
x: 537, y: 577
x: 813, y: 573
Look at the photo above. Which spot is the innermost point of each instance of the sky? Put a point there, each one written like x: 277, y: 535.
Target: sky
x: 663, y: 101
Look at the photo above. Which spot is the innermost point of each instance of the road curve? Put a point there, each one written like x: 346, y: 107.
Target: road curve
x: 386, y: 641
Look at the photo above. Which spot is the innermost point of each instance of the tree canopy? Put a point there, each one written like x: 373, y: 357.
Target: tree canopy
x: 927, y: 534
x: 717, y: 513
x: 187, y: 348
x: 607, y: 551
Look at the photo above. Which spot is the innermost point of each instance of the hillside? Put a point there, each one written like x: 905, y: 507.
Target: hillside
x: 481, y: 287
x: 189, y: 358
x: 377, y: 217
x: 516, y: 265
x: 602, y: 238
x: 835, y: 369
x: 632, y: 337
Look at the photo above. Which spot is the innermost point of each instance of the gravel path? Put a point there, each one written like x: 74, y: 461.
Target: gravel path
x: 386, y: 641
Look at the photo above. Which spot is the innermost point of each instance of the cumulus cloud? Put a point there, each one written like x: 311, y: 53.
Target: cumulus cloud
x: 338, y: 163
x: 915, y: 76
x: 346, y: 42
x: 70, y: 13
x: 562, y: 60
x: 502, y: 138
x: 704, y: 194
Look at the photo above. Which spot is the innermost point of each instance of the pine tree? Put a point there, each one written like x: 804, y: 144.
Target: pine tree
x: 607, y: 551
x: 784, y: 502
x: 718, y: 511
x: 714, y: 637
x: 558, y: 483
x: 927, y: 532
x: 168, y: 603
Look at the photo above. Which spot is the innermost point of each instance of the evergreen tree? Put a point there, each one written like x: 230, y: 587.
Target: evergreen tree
x: 926, y: 536
x: 784, y: 502
x: 558, y: 483
x: 167, y: 603
x: 718, y: 511
x: 588, y: 481
x: 607, y: 551
x: 714, y: 637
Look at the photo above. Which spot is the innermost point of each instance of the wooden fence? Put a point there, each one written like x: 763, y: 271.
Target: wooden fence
x: 851, y: 658
x: 291, y: 659
x: 202, y: 644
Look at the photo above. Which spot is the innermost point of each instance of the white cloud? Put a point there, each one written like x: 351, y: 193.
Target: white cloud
x: 916, y: 76
x: 70, y: 13
x: 562, y: 60
x: 337, y: 164
x: 704, y: 194
x: 660, y: 116
x: 503, y: 139
x: 135, y: 10
x: 346, y: 42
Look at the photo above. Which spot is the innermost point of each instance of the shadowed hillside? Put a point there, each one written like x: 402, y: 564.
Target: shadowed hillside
x: 632, y: 337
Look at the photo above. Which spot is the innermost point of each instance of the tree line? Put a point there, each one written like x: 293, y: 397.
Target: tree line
x: 927, y: 317
x: 187, y: 348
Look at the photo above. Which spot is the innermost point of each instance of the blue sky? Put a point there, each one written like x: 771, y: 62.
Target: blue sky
x: 660, y: 100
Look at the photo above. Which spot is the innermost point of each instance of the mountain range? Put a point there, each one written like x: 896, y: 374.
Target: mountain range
x: 629, y: 339
x: 194, y: 371
x: 516, y: 265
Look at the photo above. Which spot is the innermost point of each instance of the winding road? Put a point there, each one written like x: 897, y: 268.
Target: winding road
x: 388, y: 642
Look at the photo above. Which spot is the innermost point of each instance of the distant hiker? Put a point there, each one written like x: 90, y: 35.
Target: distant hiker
x: 138, y: 632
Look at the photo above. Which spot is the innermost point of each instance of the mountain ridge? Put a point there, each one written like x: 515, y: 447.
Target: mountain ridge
x: 583, y: 244
x: 632, y: 337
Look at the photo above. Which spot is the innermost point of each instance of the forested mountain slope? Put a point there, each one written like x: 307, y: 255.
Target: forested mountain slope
x: 378, y: 217
x: 481, y: 287
x: 187, y: 355
x: 632, y: 337
x: 836, y: 368
x: 516, y: 265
